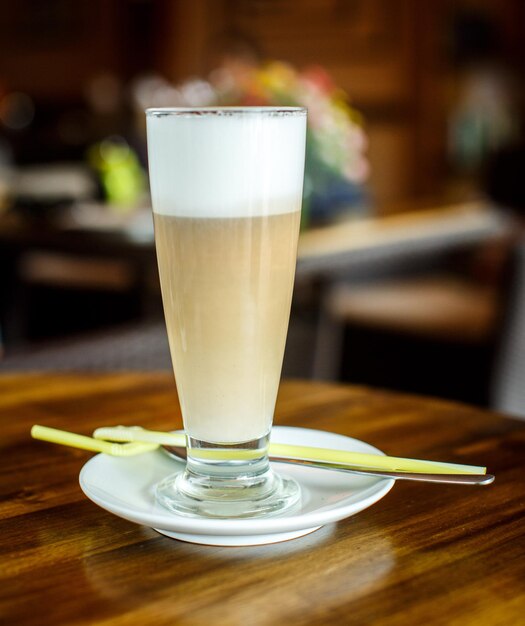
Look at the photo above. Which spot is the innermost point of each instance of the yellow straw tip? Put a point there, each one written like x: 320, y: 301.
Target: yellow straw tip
x: 34, y: 430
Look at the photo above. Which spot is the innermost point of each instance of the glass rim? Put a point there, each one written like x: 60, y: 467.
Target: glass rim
x: 279, y: 111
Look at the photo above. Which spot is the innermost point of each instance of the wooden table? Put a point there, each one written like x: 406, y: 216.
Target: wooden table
x: 361, y: 247
x: 425, y: 554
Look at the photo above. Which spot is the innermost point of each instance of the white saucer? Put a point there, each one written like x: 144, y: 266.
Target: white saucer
x: 125, y: 487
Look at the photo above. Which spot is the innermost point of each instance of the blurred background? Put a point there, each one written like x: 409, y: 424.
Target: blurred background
x: 411, y: 269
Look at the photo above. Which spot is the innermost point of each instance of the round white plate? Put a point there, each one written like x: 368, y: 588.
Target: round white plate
x: 126, y: 487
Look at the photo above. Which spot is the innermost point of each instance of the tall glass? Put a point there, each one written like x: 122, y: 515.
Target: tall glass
x: 226, y: 187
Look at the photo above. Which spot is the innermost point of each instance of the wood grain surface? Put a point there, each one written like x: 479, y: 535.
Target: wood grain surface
x: 424, y: 554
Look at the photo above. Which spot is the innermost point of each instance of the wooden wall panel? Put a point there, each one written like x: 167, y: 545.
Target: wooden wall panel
x: 51, y: 49
x: 364, y: 44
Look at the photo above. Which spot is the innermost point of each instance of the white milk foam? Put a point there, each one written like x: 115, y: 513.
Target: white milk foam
x: 219, y: 164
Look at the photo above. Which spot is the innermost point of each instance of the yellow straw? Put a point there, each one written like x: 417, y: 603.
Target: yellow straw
x: 137, y: 433
x: 355, y: 460
x: 62, y: 437
x: 140, y: 440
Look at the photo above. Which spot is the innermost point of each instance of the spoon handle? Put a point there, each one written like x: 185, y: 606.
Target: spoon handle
x: 452, y: 479
x: 179, y: 453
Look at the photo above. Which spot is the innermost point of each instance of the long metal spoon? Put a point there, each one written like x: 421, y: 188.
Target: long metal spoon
x: 179, y: 453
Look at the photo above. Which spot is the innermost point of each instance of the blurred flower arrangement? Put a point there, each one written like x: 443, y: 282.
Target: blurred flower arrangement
x: 336, y: 165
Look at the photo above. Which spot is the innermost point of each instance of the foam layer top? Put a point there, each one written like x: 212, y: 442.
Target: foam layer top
x: 226, y: 162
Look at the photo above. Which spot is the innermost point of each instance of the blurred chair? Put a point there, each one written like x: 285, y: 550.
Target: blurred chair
x: 504, y: 179
x: 437, y: 308
x: 56, y: 293
x: 50, y: 268
x: 508, y: 389
x: 443, y: 309
x: 140, y: 347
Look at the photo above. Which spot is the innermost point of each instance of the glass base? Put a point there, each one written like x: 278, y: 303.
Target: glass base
x: 228, y: 481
